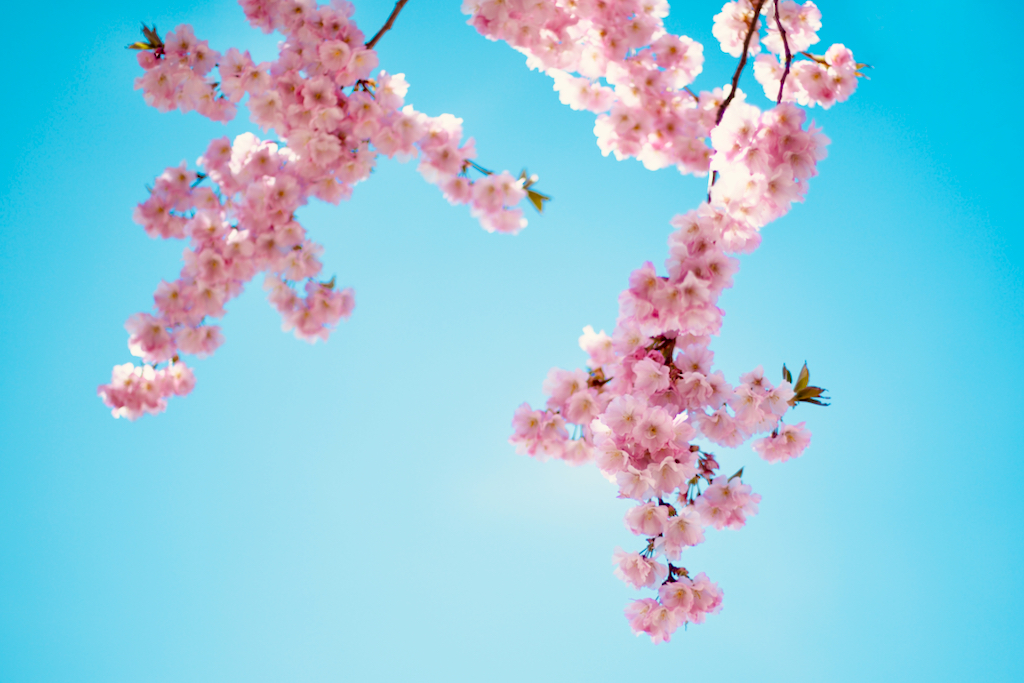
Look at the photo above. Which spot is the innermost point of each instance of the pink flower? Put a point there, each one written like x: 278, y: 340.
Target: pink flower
x: 777, y: 400
x: 731, y: 27
x: 201, y: 341
x: 561, y: 384
x: 707, y: 598
x: 623, y: 414
x: 582, y: 407
x: 526, y: 422
x: 609, y: 459
x: 789, y: 442
x: 648, y: 519
x: 598, y: 346
x: 654, y: 430
x: 651, y: 377
x: 637, y: 570
x: 334, y: 54
x: 721, y: 428
x: 638, y: 613
x: 712, y: 513
x: 634, y: 483
x: 682, y: 530
x: 677, y: 595
x: 149, y: 338
x: 668, y: 475
x: 577, y: 452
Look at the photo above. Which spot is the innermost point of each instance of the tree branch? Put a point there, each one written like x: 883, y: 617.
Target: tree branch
x: 713, y: 177
x: 789, y: 55
x: 743, y: 62
x: 387, y: 25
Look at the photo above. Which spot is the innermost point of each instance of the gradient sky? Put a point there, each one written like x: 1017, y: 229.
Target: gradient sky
x: 351, y: 511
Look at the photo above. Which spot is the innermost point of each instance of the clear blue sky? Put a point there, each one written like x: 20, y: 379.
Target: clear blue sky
x: 352, y: 511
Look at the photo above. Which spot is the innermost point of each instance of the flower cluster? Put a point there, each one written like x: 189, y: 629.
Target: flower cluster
x: 820, y: 79
x: 791, y: 29
x: 650, y: 399
x: 176, y: 74
x: 245, y: 227
x: 628, y: 70
x: 318, y: 97
x: 635, y: 75
x: 650, y: 395
x: 134, y: 391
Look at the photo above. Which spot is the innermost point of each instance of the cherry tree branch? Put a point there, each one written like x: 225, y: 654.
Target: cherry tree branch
x: 713, y: 178
x: 743, y: 62
x: 387, y: 25
x: 789, y: 55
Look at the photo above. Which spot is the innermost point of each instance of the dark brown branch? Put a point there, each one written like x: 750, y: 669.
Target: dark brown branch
x: 713, y: 178
x: 743, y: 62
x: 789, y: 55
x: 387, y: 25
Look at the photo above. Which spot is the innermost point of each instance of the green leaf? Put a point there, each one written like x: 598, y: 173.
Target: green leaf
x: 803, y: 379
x: 786, y: 374
x: 739, y: 473
x: 151, y: 35
x: 153, y: 41
x: 809, y: 392
x: 537, y: 199
x: 809, y: 395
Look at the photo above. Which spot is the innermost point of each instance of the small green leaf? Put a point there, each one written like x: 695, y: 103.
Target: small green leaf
x: 537, y: 199
x: 153, y: 41
x: 809, y: 392
x: 151, y: 35
x: 809, y: 395
x: 803, y: 379
x: 739, y: 473
x: 786, y: 374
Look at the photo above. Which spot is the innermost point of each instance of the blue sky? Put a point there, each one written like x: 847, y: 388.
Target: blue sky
x: 352, y: 511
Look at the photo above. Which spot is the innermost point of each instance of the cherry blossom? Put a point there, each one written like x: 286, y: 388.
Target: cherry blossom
x: 335, y: 120
x: 650, y: 399
x: 650, y: 403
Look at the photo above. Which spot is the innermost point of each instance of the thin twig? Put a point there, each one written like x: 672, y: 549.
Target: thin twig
x: 743, y: 62
x: 789, y: 55
x: 479, y: 167
x: 387, y: 25
x: 713, y: 178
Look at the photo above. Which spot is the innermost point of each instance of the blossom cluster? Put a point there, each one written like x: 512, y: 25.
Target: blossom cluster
x: 134, y: 391
x: 650, y: 395
x: 616, y: 59
x: 650, y: 399
x: 319, y: 98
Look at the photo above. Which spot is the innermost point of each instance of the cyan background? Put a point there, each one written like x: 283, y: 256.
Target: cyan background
x: 351, y: 511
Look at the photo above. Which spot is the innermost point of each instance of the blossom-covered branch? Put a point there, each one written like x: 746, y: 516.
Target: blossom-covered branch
x: 789, y: 54
x: 387, y: 24
x: 753, y: 22
x: 650, y: 394
x: 337, y: 113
